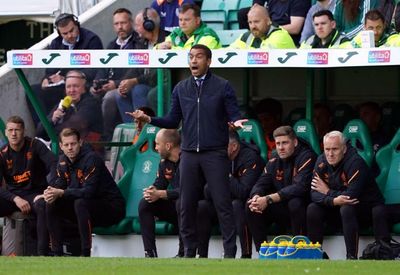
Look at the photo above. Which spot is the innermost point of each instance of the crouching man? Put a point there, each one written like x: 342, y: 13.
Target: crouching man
x: 84, y: 191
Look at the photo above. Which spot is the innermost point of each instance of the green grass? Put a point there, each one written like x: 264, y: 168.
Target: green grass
x: 71, y: 265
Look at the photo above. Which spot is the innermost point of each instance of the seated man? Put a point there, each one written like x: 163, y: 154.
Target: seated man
x: 383, y: 36
x: 269, y: 113
x: 247, y: 166
x: 343, y: 189
x: 191, y: 31
x: 71, y: 36
x: 308, y: 28
x: 281, y: 193
x: 108, y: 80
x: 168, y: 11
x: 326, y: 35
x: 263, y: 34
x: 24, y: 164
x: 84, y: 113
x: 160, y: 199
x: 84, y: 191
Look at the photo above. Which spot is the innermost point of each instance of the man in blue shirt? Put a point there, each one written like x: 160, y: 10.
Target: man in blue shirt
x: 168, y: 10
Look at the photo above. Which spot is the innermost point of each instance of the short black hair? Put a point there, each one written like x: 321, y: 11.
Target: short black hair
x: 147, y: 110
x: 123, y: 10
x: 188, y: 6
x: 234, y: 136
x: 63, y: 19
x: 205, y: 49
x: 324, y: 12
x: 285, y: 131
x: 374, y: 15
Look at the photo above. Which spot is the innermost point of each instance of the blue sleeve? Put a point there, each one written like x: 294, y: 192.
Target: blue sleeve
x: 231, y: 105
x: 173, y: 118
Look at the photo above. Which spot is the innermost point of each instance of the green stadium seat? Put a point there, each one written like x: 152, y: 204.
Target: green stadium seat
x: 390, y: 117
x: 252, y: 132
x: 295, y: 115
x: 122, y: 133
x: 342, y: 114
x: 228, y: 36
x: 305, y: 129
x: 216, y: 13
x: 388, y: 159
x: 140, y: 171
x: 357, y: 132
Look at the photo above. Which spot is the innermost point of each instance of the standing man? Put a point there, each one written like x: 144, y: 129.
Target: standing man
x: 246, y: 166
x: 71, y: 36
x: 191, y: 31
x: 84, y: 191
x: 24, y: 164
x: 326, y: 35
x: 160, y: 199
x: 343, y: 189
x: 205, y: 104
x: 281, y: 193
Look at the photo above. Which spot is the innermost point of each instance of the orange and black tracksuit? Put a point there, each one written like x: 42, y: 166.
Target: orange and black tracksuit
x: 351, y: 177
x: 24, y: 173
x: 164, y: 210
x: 245, y: 170
x: 291, y: 179
x: 91, y: 198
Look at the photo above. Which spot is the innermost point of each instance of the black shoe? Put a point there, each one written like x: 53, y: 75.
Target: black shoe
x: 351, y: 257
x: 150, y: 254
x: 190, y: 253
x: 85, y: 252
x: 245, y: 256
x: 229, y: 256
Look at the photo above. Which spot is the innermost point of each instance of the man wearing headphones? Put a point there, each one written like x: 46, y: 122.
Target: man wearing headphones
x: 133, y: 91
x: 191, y: 31
x: 71, y: 36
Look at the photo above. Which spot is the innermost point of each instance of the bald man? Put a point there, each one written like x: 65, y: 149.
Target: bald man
x: 263, y: 33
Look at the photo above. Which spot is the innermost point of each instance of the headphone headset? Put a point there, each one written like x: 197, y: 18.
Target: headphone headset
x: 63, y: 17
x: 148, y: 24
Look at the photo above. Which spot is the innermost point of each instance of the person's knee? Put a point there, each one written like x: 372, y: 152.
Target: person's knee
x: 348, y: 212
x: 80, y: 205
x: 144, y: 206
x: 39, y: 206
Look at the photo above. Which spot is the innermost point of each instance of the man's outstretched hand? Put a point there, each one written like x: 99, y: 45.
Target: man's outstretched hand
x: 139, y: 115
x: 237, y: 124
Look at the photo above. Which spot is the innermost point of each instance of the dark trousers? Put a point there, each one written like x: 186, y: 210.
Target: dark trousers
x: 352, y: 217
x: 38, y: 209
x: 87, y: 213
x: 196, y: 169
x: 286, y: 214
x: 164, y: 210
x: 207, y: 218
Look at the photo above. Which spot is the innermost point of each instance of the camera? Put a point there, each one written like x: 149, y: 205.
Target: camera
x: 99, y: 83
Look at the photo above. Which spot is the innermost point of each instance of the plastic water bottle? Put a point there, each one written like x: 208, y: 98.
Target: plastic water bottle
x: 263, y: 250
x: 282, y: 249
x: 290, y: 252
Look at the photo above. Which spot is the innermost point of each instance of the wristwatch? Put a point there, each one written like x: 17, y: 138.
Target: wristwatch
x: 269, y: 200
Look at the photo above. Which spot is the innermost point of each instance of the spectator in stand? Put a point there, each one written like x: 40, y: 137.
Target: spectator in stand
x: 263, y: 33
x: 84, y: 192
x: 344, y: 192
x: 133, y: 91
x: 160, y: 200
x: 281, y: 194
x: 83, y: 112
x: 308, y: 28
x: 247, y: 166
x: 107, y: 81
x: 191, y: 31
x: 269, y: 113
x: 289, y: 15
x: 383, y: 37
x: 71, y: 36
x: 168, y: 11
x: 326, y: 35
x: 24, y: 164
x: 349, y: 15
